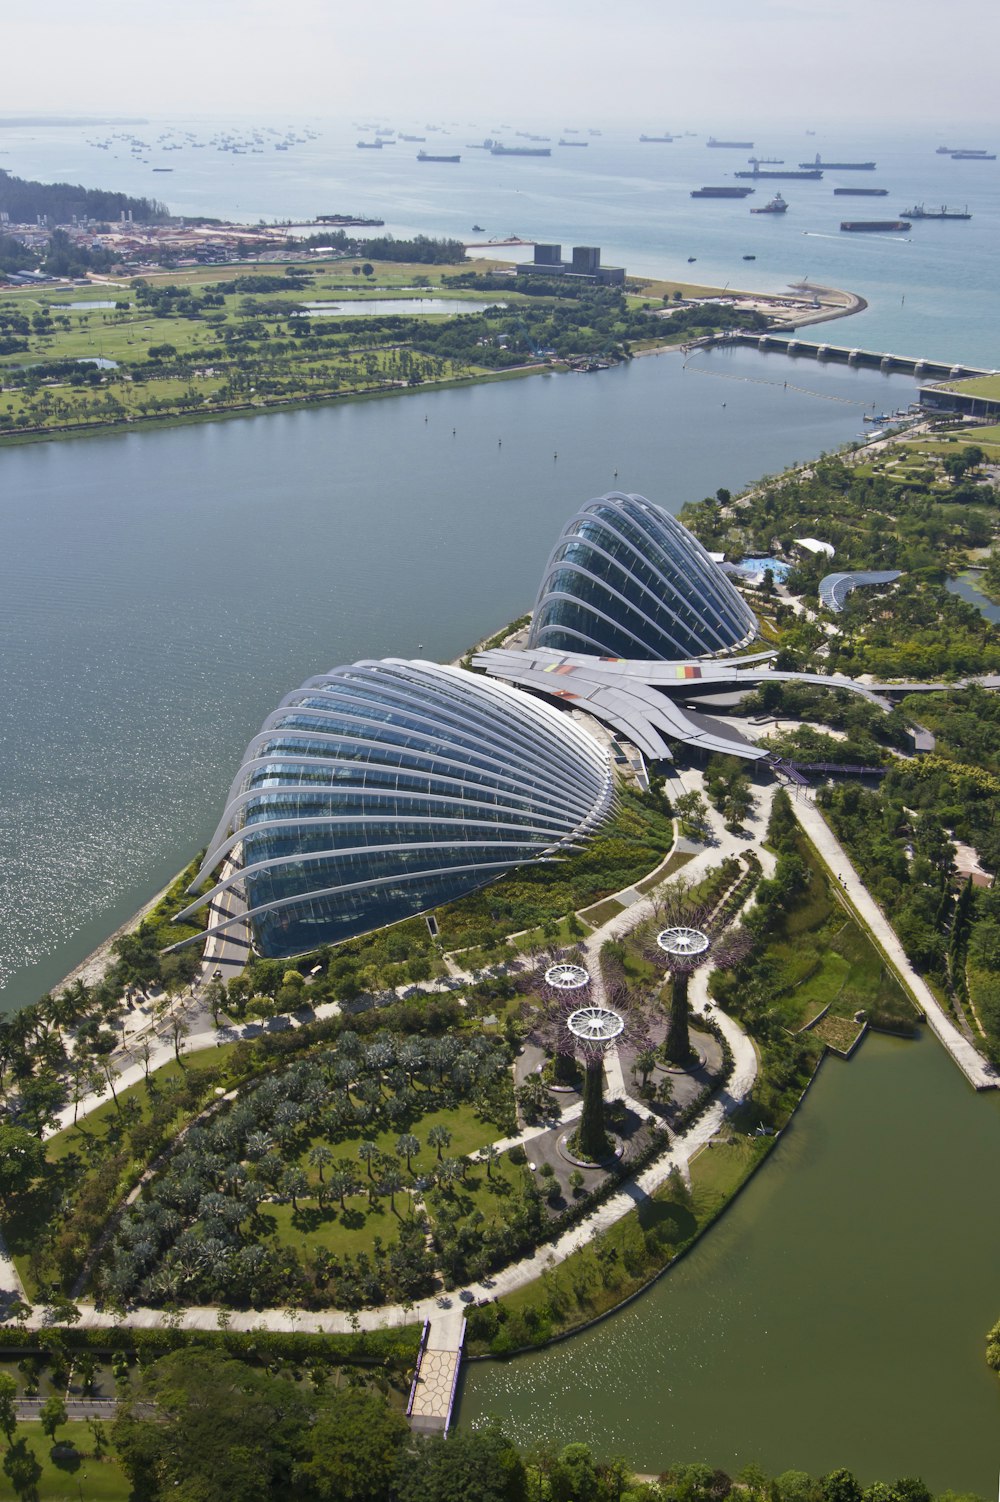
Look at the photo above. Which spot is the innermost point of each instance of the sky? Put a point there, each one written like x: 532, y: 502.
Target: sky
x: 672, y: 63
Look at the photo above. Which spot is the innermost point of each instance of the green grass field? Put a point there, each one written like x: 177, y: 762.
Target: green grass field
x: 69, y: 1476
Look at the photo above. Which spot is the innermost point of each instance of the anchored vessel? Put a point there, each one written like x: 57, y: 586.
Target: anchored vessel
x: 840, y: 166
x: 657, y: 138
x: 721, y: 192
x: 777, y: 205
x: 810, y: 173
x: 426, y: 156
x: 499, y: 150
x: 861, y: 192
x: 860, y: 225
x: 919, y: 212
x: 734, y: 145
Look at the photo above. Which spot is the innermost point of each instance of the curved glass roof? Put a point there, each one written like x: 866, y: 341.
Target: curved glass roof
x: 626, y: 579
x: 834, y: 588
x: 382, y: 789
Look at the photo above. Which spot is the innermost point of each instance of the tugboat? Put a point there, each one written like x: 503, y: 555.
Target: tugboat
x: 477, y: 229
x: 776, y: 206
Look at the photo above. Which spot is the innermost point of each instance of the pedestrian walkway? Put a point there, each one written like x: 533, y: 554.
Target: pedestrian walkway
x: 980, y: 1074
x: 432, y: 1395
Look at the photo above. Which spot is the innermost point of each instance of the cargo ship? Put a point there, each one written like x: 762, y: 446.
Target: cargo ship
x: 573, y: 143
x: 369, y: 145
x: 861, y: 192
x: 411, y: 138
x: 973, y: 156
x: 426, y: 156
x: 777, y: 205
x: 919, y: 212
x: 657, y: 138
x: 499, y: 150
x: 811, y: 174
x: 840, y: 166
x: 730, y: 145
x: 961, y: 151
x: 874, y: 226
x: 721, y: 192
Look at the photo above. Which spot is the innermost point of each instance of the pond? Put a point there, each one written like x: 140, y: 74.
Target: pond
x: 381, y: 307
x: 965, y: 587
x: 835, y: 1316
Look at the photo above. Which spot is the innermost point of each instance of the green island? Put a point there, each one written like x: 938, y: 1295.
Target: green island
x: 243, y: 1215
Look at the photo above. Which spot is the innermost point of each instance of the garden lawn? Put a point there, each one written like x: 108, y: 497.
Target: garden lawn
x: 344, y: 1232
x: 69, y: 1480
x: 81, y: 1138
x: 488, y: 1194
x: 718, y: 1171
x: 468, y: 1131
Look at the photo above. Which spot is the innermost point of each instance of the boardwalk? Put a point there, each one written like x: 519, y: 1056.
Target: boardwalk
x: 980, y: 1074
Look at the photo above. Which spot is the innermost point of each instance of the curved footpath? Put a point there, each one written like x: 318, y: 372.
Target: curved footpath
x: 980, y: 1074
x: 446, y: 1311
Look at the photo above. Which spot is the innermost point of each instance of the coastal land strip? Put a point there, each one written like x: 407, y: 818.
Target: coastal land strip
x: 207, y: 343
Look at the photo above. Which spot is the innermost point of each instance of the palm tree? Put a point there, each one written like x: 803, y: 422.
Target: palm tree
x: 408, y: 1146
x: 293, y: 1182
x: 489, y: 1156
x: 320, y: 1157
x: 391, y: 1183
x: 439, y: 1137
x: 645, y: 1063
x: 341, y: 1183
x: 368, y: 1152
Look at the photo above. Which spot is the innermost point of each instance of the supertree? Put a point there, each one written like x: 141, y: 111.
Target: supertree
x: 684, y: 936
x: 577, y: 1025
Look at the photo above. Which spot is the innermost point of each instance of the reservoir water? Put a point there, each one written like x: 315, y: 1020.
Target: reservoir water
x: 161, y: 591
x: 381, y: 307
x: 835, y: 1316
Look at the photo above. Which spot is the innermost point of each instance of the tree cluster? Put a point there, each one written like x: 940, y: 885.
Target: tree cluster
x: 197, y: 1234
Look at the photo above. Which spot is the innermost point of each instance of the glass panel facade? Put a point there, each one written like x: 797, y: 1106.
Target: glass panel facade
x: 627, y: 580
x: 386, y: 788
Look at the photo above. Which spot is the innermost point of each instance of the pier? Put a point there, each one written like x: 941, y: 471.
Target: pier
x: 780, y: 343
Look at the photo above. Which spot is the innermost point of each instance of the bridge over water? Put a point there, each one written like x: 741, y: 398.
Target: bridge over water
x: 782, y: 343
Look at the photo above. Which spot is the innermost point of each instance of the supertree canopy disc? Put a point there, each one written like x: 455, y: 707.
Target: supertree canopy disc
x: 566, y: 977
x: 683, y: 943
x: 595, y: 1027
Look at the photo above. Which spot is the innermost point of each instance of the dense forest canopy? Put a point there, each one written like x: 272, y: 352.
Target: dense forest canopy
x: 25, y: 201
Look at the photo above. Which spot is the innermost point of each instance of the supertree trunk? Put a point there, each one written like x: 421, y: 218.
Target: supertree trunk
x: 677, y: 1047
x: 592, y: 1140
x: 564, y: 1068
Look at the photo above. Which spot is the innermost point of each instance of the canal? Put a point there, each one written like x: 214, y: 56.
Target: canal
x: 835, y: 1316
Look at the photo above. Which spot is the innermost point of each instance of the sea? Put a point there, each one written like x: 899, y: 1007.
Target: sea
x: 161, y: 591
x: 931, y: 291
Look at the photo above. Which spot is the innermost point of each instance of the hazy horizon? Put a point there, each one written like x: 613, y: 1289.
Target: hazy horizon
x: 647, y: 63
